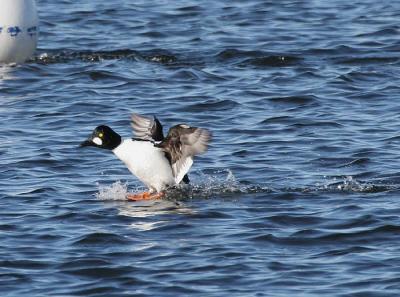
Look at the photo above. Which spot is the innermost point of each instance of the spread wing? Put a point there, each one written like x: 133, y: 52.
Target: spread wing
x: 181, y: 145
x: 147, y: 128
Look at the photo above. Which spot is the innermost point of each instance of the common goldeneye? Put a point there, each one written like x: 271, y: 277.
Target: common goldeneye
x: 157, y: 161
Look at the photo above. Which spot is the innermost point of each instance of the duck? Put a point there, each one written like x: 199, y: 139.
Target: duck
x: 158, y: 162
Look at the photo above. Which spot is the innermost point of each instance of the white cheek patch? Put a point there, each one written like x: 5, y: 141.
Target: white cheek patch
x: 97, y: 141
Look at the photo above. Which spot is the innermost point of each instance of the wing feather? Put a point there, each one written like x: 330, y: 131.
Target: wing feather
x: 181, y: 145
x: 181, y: 168
x: 147, y: 128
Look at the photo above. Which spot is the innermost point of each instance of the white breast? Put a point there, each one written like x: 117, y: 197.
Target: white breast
x: 147, y: 163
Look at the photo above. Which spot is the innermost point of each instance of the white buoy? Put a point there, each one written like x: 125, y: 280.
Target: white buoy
x: 18, y: 30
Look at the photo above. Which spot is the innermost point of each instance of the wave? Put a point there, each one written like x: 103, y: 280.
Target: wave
x: 256, y: 59
x: 63, y: 56
x: 260, y: 60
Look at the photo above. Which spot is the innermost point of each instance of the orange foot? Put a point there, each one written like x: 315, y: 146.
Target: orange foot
x: 144, y: 196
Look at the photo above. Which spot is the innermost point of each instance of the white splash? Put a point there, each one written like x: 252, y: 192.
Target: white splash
x: 352, y: 185
x: 347, y: 184
x: 117, y: 191
x: 220, y: 182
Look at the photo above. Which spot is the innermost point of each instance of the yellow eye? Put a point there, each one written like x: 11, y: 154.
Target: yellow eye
x: 101, y: 135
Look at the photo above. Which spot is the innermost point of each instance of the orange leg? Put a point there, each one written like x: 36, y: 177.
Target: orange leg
x: 144, y: 196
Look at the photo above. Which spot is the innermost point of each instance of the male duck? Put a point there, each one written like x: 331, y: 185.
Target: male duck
x: 157, y: 161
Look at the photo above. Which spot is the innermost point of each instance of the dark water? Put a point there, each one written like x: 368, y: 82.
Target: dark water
x: 298, y: 195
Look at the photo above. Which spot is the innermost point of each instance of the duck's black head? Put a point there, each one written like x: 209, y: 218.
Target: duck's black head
x: 103, y: 137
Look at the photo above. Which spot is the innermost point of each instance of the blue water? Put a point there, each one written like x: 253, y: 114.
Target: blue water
x: 297, y: 195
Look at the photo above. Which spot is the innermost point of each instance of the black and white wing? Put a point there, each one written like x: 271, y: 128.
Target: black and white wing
x: 181, y: 145
x: 147, y: 128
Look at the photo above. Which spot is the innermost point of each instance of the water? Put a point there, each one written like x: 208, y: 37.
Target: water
x: 297, y: 196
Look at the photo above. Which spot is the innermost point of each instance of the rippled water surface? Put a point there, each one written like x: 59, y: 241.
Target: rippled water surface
x: 297, y: 196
